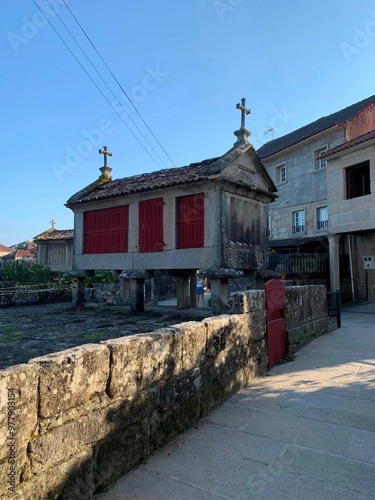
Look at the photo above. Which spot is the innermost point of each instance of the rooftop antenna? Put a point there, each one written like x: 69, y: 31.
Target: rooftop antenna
x: 271, y: 131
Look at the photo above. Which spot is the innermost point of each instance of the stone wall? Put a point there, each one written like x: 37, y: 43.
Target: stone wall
x: 87, y: 415
x: 305, y: 315
x: 29, y: 295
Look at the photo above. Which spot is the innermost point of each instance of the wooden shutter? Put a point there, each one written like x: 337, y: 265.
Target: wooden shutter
x: 190, y: 221
x: 151, y: 225
x: 106, y: 231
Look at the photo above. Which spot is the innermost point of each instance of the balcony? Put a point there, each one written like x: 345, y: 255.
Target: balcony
x: 322, y: 224
x: 298, y: 229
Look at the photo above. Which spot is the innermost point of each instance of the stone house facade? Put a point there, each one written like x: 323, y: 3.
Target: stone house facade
x: 351, y: 208
x: 298, y: 220
x: 210, y: 215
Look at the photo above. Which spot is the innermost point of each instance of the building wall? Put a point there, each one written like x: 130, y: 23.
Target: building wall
x: 355, y: 214
x: 57, y: 255
x: 223, y: 210
x: 170, y: 258
x: 360, y: 124
x: 304, y: 188
x: 363, y: 245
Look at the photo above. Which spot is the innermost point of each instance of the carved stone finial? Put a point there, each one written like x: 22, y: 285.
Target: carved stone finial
x: 106, y: 173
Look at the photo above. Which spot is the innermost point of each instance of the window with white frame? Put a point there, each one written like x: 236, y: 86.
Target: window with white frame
x: 322, y: 218
x: 320, y: 163
x: 280, y: 173
x: 298, y: 221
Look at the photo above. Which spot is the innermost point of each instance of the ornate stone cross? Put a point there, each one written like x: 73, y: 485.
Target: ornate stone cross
x: 106, y: 153
x: 53, y: 222
x: 244, y: 111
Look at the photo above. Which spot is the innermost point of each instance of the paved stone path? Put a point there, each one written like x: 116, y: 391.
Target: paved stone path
x: 32, y: 331
x: 304, y: 431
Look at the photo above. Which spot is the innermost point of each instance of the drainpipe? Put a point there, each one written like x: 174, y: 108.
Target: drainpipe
x: 351, y: 265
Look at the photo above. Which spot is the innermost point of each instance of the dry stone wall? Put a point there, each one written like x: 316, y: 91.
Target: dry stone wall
x: 87, y: 415
x: 305, y: 315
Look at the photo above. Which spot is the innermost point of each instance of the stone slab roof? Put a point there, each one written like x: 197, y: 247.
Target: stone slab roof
x: 324, y: 123
x: 55, y: 234
x: 350, y: 144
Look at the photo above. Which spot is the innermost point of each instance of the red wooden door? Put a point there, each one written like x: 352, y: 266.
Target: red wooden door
x: 151, y: 225
x: 190, y: 221
x: 106, y: 231
x: 276, y: 334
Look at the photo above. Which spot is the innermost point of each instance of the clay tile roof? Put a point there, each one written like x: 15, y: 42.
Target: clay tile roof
x: 349, y: 144
x: 324, y: 123
x: 3, y: 248
x: 159, y: 179
x: 55, y: 234
x: 21, y: 254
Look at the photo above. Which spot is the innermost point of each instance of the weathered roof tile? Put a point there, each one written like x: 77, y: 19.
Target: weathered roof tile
x: 313, y: 128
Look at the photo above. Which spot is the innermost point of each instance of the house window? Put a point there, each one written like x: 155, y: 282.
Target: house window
x: 298, y: 222
x: 280, y: 173
x: 320, y: 163
x: 190, y: 221
x: 358, y: 180
x: 322, y: 218
x: 106, y: 231
x: 151, y: 225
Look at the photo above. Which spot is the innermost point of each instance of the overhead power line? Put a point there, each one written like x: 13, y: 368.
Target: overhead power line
x: 102, y: 79
x: 93, y: 81
x: 116, y: 80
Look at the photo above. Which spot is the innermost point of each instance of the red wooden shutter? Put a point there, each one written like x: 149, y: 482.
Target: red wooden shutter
x: 151, y: 225
x: 106, y: 231
x: 190, y: 221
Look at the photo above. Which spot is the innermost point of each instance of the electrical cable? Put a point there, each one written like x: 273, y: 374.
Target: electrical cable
x: 105, y: 83
x: 116, y: 80
x: 87, y: 73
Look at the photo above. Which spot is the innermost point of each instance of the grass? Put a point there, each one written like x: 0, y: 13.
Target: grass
x: 93, y: 336
x: 9, y: 329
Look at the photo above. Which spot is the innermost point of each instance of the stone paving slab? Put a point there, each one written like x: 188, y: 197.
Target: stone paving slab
x: 306, y: 430
x: 32, y: 331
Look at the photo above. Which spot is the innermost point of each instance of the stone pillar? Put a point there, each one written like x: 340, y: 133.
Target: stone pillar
x: 136, y: 283
x: 219, y: 296
x: 219, y: 287
x: 154, y: 292
x: 334, y: 261
x: 183, y: 292
x: 79, y: 293
x: 193, y: 290
x: 137, y: 298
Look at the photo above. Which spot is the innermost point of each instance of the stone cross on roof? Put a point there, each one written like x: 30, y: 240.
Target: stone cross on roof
x: 53, y: 222
x: 244, y: 111
x: 106, y: 153
x: 105, y: 170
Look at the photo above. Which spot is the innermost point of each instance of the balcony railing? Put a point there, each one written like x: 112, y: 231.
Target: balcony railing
x: 298, y: 229
x: 322, y: 224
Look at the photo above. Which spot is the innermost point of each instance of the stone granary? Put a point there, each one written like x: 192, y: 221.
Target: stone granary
x: 55, y: 248
x: 210, y: 216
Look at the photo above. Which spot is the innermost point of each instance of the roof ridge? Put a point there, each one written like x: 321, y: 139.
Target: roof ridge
x: 314, y: 127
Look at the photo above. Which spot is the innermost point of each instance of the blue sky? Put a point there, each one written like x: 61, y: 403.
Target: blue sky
x: 185, y: 65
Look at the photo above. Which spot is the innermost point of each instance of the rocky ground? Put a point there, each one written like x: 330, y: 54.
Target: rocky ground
x: 28, y: 332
